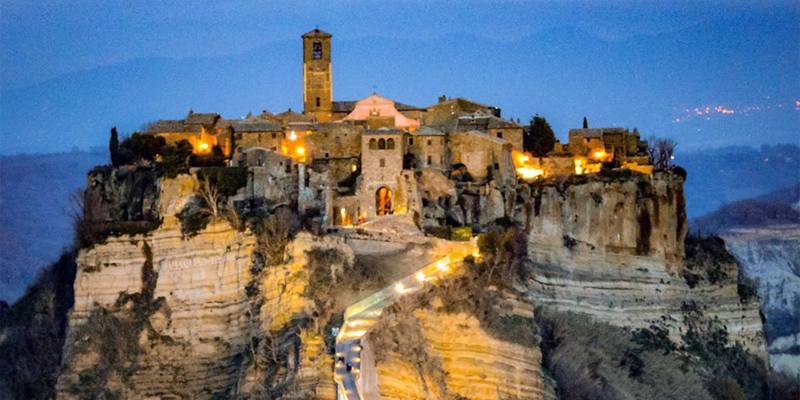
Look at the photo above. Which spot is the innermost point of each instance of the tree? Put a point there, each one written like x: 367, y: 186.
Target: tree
x: 113, y: 147
x: 661, y: 152
x: 585, y: 123
x: 540, y: 138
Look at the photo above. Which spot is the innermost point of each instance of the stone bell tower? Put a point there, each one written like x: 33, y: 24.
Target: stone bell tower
x: 317, y: 78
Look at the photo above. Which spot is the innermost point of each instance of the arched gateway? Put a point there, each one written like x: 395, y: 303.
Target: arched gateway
x: 383, y: 201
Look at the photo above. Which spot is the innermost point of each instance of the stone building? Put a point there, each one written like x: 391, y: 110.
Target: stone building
x: 426, y: 148
x: 317, y: 75
x: 358, y: 160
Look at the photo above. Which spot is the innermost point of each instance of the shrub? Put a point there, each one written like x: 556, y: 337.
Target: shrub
x: 228, y: 180
x: 193, y: 217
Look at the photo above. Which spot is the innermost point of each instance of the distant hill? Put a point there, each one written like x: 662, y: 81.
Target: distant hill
x: 561, y: 73
x: 717, y: 177
x: 780, y: 207
x: 34, y: 221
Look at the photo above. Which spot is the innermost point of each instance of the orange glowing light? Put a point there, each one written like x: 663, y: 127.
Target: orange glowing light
x: 292, y: 136
x: 301, y: 150
x: 599, y: 154
x: 203, y: 146
x: 578, y: 167
x: 525, y: 166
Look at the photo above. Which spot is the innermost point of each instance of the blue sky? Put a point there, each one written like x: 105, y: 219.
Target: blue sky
x: 49, y: 45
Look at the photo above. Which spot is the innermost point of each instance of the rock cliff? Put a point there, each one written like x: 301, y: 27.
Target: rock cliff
x: 613, y: 248
x: 770, y: 255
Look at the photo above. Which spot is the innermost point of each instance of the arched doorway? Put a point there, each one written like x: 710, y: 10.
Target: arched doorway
x: 383, y: 201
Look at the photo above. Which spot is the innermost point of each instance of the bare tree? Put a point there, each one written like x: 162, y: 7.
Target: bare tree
x: 661, y: 152
x: 211, y: 195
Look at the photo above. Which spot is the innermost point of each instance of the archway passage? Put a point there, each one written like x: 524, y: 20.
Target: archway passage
x: 383, y: 201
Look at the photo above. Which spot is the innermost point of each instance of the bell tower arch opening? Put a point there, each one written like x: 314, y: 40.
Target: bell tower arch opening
x: 383, y: 201
x: 317, y: 75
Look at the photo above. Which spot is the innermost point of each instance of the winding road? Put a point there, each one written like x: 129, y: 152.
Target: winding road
x: 362, y: 315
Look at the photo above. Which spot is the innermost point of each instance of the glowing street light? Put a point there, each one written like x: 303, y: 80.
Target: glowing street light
x: 292, y: 135
x: 420, y: 276
x: 399, y: 287
x: 441, y: 265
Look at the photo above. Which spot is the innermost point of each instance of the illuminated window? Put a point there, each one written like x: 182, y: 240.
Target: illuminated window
x: 390, y: 144
x: 317, y: 50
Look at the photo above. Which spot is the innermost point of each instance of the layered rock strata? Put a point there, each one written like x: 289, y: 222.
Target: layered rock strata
x: 614, y: 249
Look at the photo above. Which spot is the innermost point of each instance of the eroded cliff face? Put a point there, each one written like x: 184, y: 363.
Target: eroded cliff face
x: 771, y: 257
x: 434, y: 353
x: 167, y: 316
x: 613, y: 249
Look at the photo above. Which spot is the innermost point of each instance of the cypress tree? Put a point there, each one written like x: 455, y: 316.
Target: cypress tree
x: 585, y: 123
x: 113, y: 147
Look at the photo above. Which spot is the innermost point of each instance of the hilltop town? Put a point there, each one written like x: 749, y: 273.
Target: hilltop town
x: 373, y: 249
x: 354, y: 161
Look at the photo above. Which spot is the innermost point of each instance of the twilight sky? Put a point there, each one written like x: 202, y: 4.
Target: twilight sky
x: 714, y: 70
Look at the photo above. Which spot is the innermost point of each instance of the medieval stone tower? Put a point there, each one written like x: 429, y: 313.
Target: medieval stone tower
x: 317, y: 78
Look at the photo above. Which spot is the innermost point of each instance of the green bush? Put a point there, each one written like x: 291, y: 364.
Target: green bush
x: 193, y: 217
x: 228, y: 180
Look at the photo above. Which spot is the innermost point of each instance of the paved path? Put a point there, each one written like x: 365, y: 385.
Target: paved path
x: 361, y: 316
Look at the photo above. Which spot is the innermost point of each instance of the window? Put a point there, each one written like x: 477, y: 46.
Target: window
x: 317, y: 101
x: 274, y: 135
x: 317, y: 50
x: 373, y: 144
x: 430, y: 142
x: 381, y: 144
x: 390, y: 144
x: 383, y: 162
x: 274, y: 148
x: 337, y: 140
x: 410, y: 141
x: 429, y: 160
x: 499, y: 134
x: 326, y: 155
x: 496, y: 166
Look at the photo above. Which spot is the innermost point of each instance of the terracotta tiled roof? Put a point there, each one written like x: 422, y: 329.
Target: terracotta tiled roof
x: 255, y: 126
x: 166, y: 125
x: 201, y: 118
x: 317, y: 33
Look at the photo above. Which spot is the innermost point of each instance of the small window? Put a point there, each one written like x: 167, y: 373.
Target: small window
x: 390, y: 144
x: 499, y: 134
x: 373, y: 144
x: 383, y: 162
x: 496, y: 166
x: 381, y: 144
x: 410, y: 141
x: 430, y: 142
x: 274, y: 148
x: 326, y: 155
x: 317, y: 50
x: 317, y: 101
x: 337, y: 140
x: 274, y: 135
x: 429, y: 160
